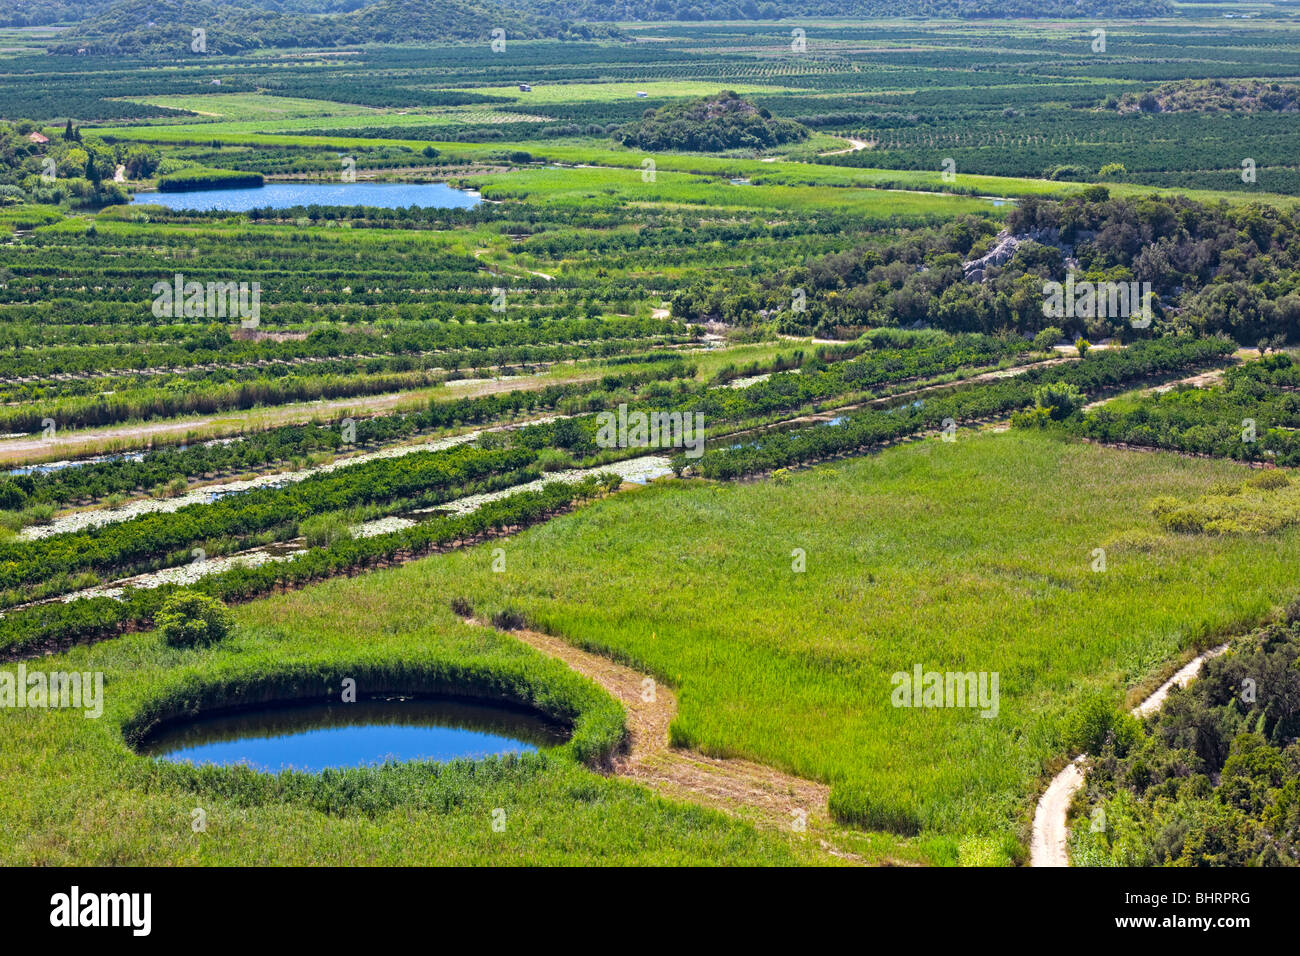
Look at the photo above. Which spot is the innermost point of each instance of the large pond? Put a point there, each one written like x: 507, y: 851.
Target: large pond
x: 285, y: 195
x: 311, y: 737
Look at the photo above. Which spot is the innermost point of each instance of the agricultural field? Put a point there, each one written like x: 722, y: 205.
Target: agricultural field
x: 733, y: 440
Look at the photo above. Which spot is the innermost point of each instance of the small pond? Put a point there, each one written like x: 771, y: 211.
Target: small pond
x: 286, y: 195
x: 311, y: 737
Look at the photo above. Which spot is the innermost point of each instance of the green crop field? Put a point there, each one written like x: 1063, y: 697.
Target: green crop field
x: 688, y: 382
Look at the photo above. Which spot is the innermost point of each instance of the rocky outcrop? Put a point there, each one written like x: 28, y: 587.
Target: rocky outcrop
x: 1005, y: 248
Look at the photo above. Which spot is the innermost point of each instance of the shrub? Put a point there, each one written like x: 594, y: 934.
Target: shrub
x: 190, y: 619
x: 1096, y: 722
x: 1046, y: 340
x: 508, y: 619
x: 322, y: 531
x: 1059, y: 399
x: 1269, y: 480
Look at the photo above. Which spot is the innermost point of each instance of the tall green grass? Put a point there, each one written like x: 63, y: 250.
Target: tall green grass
x: 969, y: 556
x: 75, y: 792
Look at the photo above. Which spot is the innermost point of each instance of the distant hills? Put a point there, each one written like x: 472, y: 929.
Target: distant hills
x: 623, y: 10
x: 313, y: 22
x: 165, y: 27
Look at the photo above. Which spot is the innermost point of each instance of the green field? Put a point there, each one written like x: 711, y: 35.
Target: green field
x: 89, y: 800
x: 957, y: 557
x: 395, y: 469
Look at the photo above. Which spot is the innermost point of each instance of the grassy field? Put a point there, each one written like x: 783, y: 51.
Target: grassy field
x: 88, y: 799
x: 956, y: 557
x: 965, y: 557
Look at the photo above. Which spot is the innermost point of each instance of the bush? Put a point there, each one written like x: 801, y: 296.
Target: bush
x: 1269, y: 480
x: 1096, y: 722
x: 190, y: 619
x: 508, y: 619
x: 1059, y: 399
x: 1046, y: 340
x: 322, y: 531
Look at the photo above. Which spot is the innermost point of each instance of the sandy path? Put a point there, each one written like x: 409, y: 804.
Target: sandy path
x: 761, y: 795
x: 75, y: 443
x: 1048, y: 847
x: 854, y: 146
x: 1199, y: 380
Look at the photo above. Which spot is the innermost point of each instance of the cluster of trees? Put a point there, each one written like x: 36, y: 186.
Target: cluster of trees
x: 712, y: 123
x: 41, y: 164
x: 1211, y: 779
x: 1211, y: 96
x: 1223, y: 269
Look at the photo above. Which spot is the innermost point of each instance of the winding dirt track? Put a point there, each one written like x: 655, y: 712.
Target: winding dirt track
x: 765, y: 797
x: 1050, y: 840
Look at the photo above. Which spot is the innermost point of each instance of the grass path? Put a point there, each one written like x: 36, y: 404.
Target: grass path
x: 761, y: 795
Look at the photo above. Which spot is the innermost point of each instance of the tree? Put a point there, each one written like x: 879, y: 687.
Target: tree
x: 1045, y: 341
x: 1082, y: 345
x: 190, y: 619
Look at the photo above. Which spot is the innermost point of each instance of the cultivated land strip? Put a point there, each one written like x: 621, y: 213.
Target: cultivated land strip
x: 1050, y: 843
x: 76, y: 443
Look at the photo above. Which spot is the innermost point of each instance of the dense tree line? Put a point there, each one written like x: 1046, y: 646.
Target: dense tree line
x: 1213, y: 269
x: 1095, y: 372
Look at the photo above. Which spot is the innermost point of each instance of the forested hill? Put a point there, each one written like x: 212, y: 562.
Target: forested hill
x: 725, y: 121
x: 460, y: 19
x: 165, y: 27
x: 626, y: 10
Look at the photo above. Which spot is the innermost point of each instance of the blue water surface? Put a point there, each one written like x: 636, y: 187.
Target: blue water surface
x: 313, y: 737
x: 285, y: 195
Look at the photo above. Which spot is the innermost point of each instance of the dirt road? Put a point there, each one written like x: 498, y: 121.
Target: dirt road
x: 1048, y: 846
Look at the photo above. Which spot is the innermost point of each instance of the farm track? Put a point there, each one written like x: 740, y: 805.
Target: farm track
x: 77, y: 517
x: 761, y: 795
x: 73, y: 444
x: 854, y: 146
x: 1050, y: 842
x: 1199, y: 380
x: 242, y: 366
